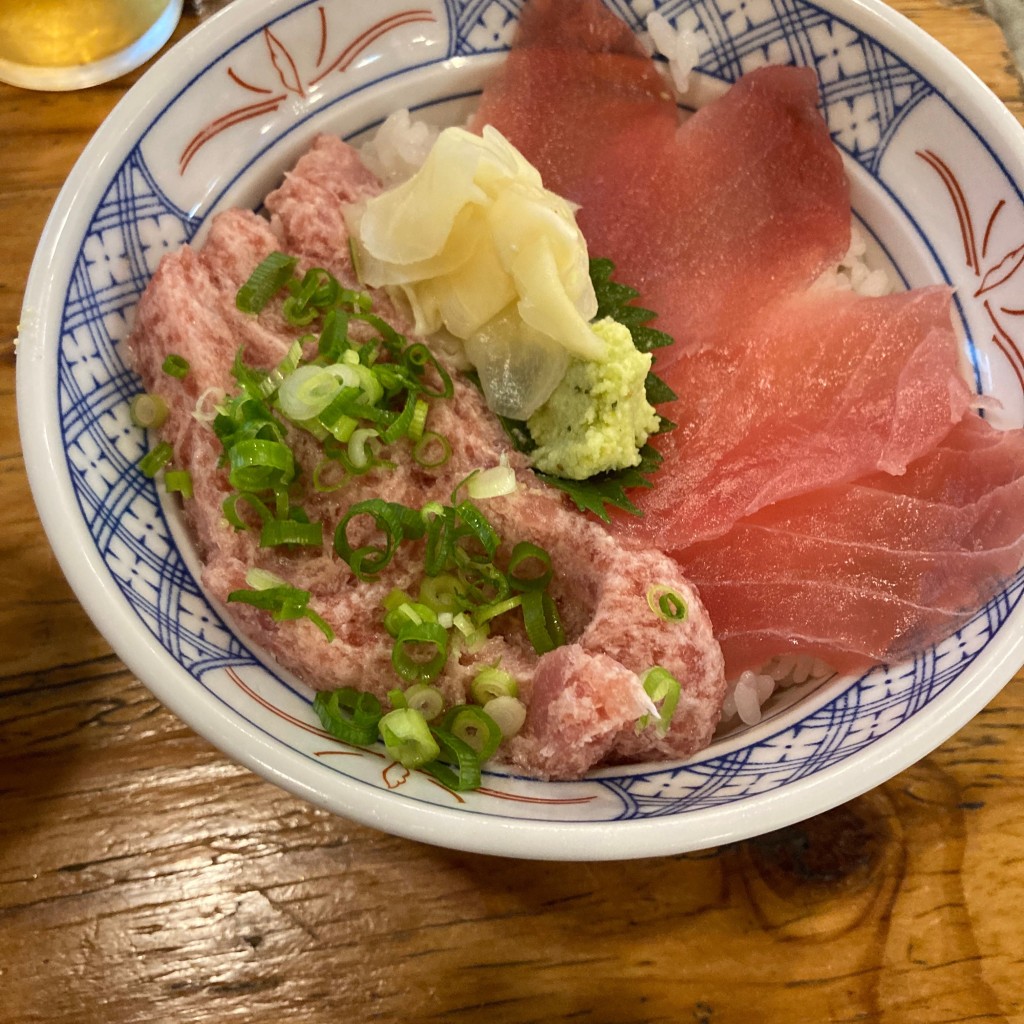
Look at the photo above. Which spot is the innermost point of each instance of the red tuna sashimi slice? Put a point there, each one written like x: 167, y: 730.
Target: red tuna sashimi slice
x: 874, y: 570
x: 823, y: 388
x: 744, y: 202
x: 571, y: 61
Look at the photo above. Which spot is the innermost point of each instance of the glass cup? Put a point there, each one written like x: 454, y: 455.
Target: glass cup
x: 70, y: 44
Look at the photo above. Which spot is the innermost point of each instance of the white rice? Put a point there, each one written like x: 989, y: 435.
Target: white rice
x: 677, y: 46
x: 746, y: 696
x: 854, y: 272
x: 398, y: 148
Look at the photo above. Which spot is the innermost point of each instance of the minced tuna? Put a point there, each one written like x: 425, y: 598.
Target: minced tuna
x: 584, y: 699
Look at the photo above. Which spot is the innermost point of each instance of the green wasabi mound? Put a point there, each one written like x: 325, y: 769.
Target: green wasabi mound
x: 598, y: 417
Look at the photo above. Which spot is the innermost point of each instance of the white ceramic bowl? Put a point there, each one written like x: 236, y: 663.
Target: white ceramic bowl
x: 937, y: 166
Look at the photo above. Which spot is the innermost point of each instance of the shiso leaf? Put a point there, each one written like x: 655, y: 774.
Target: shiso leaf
x: 616, y: 300
x: 597, y: 493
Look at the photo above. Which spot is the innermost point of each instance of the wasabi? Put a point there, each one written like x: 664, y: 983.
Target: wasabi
x: 598, y: 418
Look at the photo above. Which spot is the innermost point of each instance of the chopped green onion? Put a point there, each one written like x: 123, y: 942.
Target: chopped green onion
x: 478, y: 527
x: 175, y: 366
x: 493, y: 682
x: 394, y: 599
x: 421, y: 450
x: 306, y: 392
x: 350, y: 715
x: 205, y: 410
x: 525, y: 552
x: 256, y: 384
x: 265, y: 281
x: 443, y: 593
x: 408, y: 738
x: 285, y: 603
x: 333, y: 341
x: 418, y: 357
x: 420, y: 651
x: 335, y: 418
x: 663, y: 688
x: 439, y: 524
x: 400, y: 427
x: 263, y: 579
x: 508, y: 713
x: 540, y: 616
x: 666, y: 603
x: 406, y: 613
x: 148, y: 411
x: 232, y: 515
x: 458, y: 753
x: 393, y: 341
x: 426, y: 699
x: 258, y: 465
x: 474, y: 726
x: 419, y: 420
x: 492, y: 483
x: 485, y: 583
x: 369, y: 560
x: 152, y: 462
x: 472, y: 635
x: 329, y: 475
x: 490, y: 611
x: 276, y: 532
x: 360, y: 454
x: 396, y: 698
x: 178, y: 481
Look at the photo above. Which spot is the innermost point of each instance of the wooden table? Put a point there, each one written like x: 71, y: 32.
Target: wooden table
x: 144, y: 877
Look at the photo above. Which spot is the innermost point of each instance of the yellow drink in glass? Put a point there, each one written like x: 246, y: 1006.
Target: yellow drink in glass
x: 70, y: 44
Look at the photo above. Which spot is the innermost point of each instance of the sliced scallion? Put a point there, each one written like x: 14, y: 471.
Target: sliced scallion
x: 148, y: 411
x: 175, y: 366
x: 666, y: 603
x: 230, y: 508
x: 407, y: 613
x: 258, y: 465
x: 491, y: 483
x: 426, y: 699
x: 420, y: 651
x: 474, y: 726
x: 540, y: 616
x: 538, y: 572
x: 424, y: 456
x: 492, y: 682
x: 178, y: 481
x: 443, y: 593
x: 285, y: 603
x: 459, y: 754
x: 490, y: 611
x: 508, y: 713
x: 408, y: 737
x: 350, y: 715
x: 272, y: 274
x: 663, y: 688
x: 369, y: 560
x: 153, y: 461
x: 276, y: 532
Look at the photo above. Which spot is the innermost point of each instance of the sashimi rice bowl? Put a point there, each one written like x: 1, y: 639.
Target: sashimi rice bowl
x: 566, y: 430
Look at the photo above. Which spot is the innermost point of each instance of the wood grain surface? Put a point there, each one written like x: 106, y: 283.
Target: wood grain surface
x: 144, y: 877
